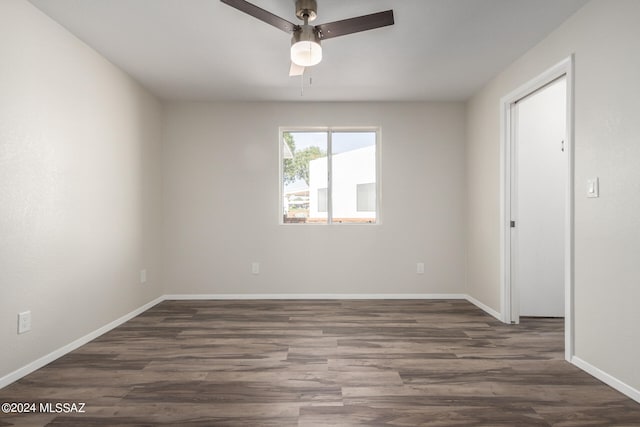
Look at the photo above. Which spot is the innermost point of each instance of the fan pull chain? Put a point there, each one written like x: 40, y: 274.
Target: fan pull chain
x: 310, y: 72
x: 302, y: 76
x: 302, y: 83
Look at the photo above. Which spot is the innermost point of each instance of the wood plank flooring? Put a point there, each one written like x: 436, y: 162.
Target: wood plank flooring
x: 322, y: 363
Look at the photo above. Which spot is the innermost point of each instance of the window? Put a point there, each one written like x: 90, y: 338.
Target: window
x: 329, y: 176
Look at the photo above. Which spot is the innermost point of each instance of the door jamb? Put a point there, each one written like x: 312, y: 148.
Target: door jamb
x: 508, y: 314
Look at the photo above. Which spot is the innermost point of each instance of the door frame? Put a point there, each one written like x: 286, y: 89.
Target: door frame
x: 509, y: 313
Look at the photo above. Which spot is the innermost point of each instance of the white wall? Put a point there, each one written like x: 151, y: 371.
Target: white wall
x: 604, y: 37
x: 79, y: 187
x: 221, y: 205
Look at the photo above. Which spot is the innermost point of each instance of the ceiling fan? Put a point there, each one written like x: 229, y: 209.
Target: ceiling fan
x: 306, y: 50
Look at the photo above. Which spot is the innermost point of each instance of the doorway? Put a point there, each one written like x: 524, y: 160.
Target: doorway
x: 537, y: 199
x: 539, y: 169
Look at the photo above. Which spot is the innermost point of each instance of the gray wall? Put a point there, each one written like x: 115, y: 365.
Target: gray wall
x: 221, y: 191
x: 79, y: 187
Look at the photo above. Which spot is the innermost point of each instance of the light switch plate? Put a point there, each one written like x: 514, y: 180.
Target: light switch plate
x: 255, y: 268
x: 24, y: 322
x: 420, y: 268
x: 593, y: 187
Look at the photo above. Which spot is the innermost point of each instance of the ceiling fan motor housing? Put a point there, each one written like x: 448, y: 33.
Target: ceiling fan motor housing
x: 306, y: 9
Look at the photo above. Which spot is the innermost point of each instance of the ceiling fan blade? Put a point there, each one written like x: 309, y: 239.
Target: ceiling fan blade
x: 263, y: 15
x: 296, y: 70
x: 355, y: 25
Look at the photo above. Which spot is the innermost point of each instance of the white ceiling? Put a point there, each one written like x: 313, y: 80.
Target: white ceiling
x: 206, y: 50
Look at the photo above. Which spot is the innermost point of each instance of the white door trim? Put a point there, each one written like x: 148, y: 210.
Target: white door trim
x: 509, y: 315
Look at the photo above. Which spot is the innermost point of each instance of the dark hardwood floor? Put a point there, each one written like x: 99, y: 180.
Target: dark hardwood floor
x: 322, y: 363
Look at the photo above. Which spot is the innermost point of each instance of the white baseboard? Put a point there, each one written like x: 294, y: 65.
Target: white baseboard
x: 483, y: 307
x: 309, y: 296
x: 44, y: 360
x: 607, y: 379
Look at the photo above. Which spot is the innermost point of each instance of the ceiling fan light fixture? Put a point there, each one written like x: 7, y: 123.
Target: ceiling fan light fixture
x: 306, y: 50
x: 305, y: 43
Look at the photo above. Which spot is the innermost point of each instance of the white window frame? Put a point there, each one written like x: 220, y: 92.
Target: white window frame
x: 329, y: 130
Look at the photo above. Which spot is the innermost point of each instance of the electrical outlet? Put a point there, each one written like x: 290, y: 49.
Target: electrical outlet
x: 255, y: 268
x: 420, y: 268
x: 143, y: 276
x: 24, y: 322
